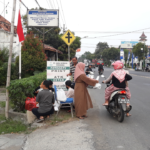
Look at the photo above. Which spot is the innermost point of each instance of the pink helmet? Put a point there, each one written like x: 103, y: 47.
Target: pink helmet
x: 118, y: 65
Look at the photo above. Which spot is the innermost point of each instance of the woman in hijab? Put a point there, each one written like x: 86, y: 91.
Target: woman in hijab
x: 81, y: 96
x: 119, y: 79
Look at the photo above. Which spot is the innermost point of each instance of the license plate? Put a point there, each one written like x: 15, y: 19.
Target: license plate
x: 123, y: 100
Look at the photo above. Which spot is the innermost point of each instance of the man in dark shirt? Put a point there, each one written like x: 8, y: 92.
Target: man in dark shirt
x: 88, y: 70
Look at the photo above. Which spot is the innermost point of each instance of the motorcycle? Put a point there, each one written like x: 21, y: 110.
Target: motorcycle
x: 118, y: 103
x: 101, y: 72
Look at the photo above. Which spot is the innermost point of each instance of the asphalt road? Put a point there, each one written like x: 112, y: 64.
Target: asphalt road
x: 134, y: 132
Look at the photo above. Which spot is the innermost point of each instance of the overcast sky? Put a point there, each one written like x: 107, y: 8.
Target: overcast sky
x: 91, y: 17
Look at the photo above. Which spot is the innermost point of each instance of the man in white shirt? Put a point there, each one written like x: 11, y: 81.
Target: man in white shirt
x: 70, y: 92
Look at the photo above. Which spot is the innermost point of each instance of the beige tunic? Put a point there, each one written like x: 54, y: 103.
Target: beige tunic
x: 81, y: 96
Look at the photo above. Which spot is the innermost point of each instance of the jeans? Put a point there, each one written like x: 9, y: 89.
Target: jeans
x: 37, y: 114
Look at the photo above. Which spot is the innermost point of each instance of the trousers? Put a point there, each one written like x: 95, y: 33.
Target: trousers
x: 37, y: 114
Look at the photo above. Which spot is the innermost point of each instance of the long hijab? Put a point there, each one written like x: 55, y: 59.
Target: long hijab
x: 79, y: 70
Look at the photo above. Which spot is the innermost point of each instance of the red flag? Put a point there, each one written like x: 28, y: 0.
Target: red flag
x: 19, y: 29
x: 78, y: 50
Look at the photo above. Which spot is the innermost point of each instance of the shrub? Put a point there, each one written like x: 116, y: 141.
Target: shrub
x: 20, y: 89
x: 33, y: 56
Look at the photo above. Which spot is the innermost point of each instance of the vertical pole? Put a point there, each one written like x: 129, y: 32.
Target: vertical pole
x: 19, y: 60
x: 132, y: 60
x: 19, y: 48
x: 10, y: 57
x: 68, y: 53
x: 43, y: 38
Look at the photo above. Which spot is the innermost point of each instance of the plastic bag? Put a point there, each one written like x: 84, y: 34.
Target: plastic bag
x: 61, y: 96
x: 30, y: 103
x: 56, y: 105
x: 97, y: 78
x: 68, y: 78
x: 97, y: 86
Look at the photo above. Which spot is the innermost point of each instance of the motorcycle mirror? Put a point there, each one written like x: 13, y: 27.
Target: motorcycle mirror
x: 102, y: 76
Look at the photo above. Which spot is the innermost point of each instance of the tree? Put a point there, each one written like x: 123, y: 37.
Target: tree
x: 101, y: 46
x: 110, y: 54
x: 33, y: 56
x: 138, y: 52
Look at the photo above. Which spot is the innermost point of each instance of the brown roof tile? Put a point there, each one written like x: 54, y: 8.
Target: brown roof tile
x: 47, y: 47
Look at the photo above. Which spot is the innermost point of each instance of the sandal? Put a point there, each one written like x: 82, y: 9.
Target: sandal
x: 105, y: 104
x: 80, y: 117
x: 128, y: 115
x: 85, y: 116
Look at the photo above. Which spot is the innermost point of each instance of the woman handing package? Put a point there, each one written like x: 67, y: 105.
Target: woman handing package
x: 81, y: 96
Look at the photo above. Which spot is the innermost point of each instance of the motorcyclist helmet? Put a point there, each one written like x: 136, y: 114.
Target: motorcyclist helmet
x: 118, y: 65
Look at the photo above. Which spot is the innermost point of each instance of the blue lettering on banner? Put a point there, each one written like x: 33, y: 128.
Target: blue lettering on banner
x: 43, y: 12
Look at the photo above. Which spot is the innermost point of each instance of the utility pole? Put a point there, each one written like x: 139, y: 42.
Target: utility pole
x: 10, y: 57
x: 63, y: 28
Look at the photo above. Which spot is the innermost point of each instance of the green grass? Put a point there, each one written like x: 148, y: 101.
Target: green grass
x: 11, y: 126
x: 2, y: 104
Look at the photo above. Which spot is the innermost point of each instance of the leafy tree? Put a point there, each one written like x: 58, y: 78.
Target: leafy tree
x: 110, y: 54
x: 138, y: 52
x: 101, y: 46
x: 33, y: 56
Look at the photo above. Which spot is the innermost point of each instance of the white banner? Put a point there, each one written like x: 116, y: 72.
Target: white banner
x: 57, y: 72
x: 43, y: 18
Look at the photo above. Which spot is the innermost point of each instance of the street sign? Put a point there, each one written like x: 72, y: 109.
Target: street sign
x: 68, y: 37
x: 57, y: 72
x: 43, y: 18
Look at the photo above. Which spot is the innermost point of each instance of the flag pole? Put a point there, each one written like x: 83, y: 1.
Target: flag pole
x: 19, y: 48
x: 9, y: 60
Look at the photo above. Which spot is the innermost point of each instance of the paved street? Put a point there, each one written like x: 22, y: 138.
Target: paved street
x: 134, y: 132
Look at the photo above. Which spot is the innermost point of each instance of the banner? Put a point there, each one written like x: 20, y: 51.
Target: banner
x: 57, y: 72
x: 128, y: 55
x: 78, y: 50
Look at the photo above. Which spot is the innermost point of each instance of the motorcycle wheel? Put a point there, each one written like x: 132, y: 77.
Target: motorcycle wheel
x: 121, y: 114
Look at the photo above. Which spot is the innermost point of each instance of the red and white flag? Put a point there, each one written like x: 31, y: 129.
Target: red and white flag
x: 19, y: 29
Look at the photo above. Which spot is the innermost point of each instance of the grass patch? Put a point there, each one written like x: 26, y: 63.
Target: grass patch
x: 11, y: 126
x: 63, y: 117
x: 2, y: 104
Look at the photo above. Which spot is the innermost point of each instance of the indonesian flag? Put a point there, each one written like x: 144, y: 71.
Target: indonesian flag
x: 19, y: 29
x: 78, y: 50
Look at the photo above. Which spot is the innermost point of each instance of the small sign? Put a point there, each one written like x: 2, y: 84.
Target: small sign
x: 78, y: 50
x: 57, y: 72
x: 68, y: 37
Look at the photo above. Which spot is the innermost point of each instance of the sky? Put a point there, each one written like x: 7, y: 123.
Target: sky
x: 91, y: 18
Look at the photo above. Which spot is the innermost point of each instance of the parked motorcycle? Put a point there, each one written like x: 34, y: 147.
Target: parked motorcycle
x: 118, y: 103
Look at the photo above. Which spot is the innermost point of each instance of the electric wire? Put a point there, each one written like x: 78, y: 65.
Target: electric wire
x: 118, y: 34
x: 63, y: 13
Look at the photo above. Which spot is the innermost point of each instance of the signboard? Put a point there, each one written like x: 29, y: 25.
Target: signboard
x: 121, y: 54
x: 57, y: 72
x: 128, y: 44
x: 43, y: 18
x: 68, y: 37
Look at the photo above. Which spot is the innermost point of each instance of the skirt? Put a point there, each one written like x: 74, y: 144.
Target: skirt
x: 109, y: 90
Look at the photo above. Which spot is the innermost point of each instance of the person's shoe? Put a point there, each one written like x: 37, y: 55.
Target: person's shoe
x: 40, y: 120
x: 105, y: 104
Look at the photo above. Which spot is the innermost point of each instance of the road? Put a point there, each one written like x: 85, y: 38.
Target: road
x: 134, y: 132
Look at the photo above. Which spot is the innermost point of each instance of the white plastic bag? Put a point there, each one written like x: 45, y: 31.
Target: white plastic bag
x: 56, y: 105
x: 68, y: 78
x: 97, y: 78
x: 97, y: 86
x: 61, y: 96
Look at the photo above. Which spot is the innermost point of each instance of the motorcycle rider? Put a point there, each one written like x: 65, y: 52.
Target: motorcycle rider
x: 88, y: 69
x: 100, y: 67
x: 119, y: 79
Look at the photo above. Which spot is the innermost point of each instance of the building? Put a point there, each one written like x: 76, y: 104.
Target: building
x: 5, y: 32
x: 51, y: 53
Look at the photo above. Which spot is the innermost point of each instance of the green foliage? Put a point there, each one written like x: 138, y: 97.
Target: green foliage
x: 11, y: 126
x: 33, y: 56
x: 87, y: 55
x: 111, y: 54
x: 101, y: 46
x: 2, y: 104
x: 20, y: 89
x: 138, y: 52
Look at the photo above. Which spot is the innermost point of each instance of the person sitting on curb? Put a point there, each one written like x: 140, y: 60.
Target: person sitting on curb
x: 46, y: 101
x: 70, y: 92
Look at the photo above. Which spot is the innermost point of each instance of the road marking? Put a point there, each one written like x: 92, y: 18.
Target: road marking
x: 140, y: 76
x: 120, y: 147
